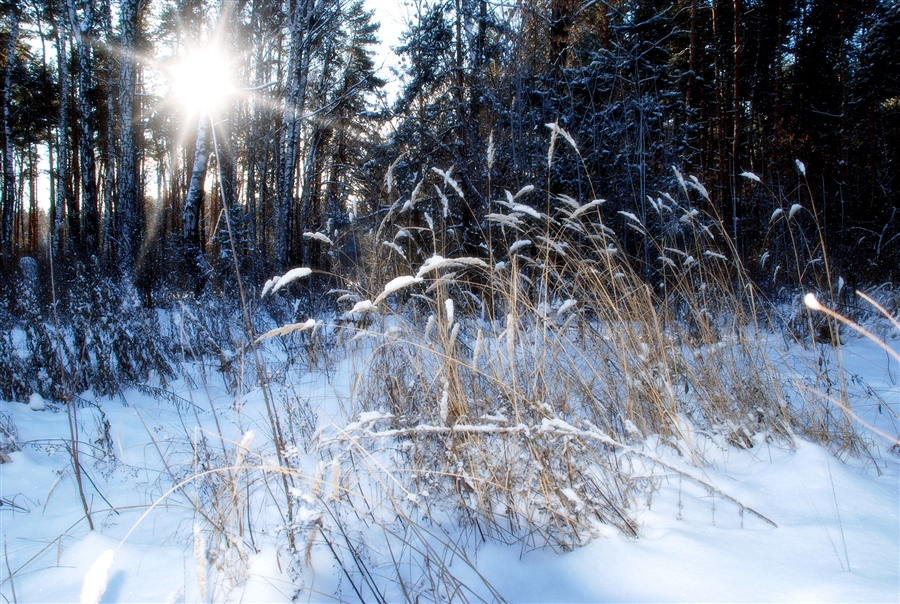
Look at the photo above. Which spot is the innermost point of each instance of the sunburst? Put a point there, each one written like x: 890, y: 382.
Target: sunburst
x: 201, y: 81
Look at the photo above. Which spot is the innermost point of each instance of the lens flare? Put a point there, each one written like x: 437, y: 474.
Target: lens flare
x: 202, y: 80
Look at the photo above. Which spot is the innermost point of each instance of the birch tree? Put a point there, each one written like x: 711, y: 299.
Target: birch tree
x: 128, y: 203
x: 9, y: 176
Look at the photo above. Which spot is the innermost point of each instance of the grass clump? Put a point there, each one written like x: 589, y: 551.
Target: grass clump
x: 507, y: 389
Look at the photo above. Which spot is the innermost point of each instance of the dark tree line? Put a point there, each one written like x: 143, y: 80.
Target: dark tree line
x: 138, y: 187
x: 715, y: 88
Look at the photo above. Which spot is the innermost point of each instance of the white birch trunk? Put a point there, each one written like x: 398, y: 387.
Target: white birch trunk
x: 9, y: 176
x: 191, y: 214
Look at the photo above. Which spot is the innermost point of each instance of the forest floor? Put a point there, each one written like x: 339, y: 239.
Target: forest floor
x: 837, y: 537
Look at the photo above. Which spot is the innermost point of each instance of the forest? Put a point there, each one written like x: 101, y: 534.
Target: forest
x: 103, y: 163
x: 553, y: 263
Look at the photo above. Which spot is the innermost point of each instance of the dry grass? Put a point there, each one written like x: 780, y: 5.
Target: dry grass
x: 510, y: 386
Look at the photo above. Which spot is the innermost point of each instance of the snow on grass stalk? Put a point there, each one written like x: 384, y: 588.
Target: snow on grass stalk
x: 444, y: 409
x: 519, y: 208
x: 517, y: 245
x: 437, y: 262
x: 712, y: 254
x: 244, y: 447
x: 587, y: 207
x: 448, y: 305
x: 336, y: 479
x: 95, y: 581
x: 319, y: 237
x: 389, y: 176
x: 630, y: 216
x: 448, y: 179
x: 524, y: 191
x: 552, y: 147
x: 566, y: 306
x: 281, y: 331
x: 276, y: 283
x: 503, y: 219
x: 479, y: 347
x: 395, y: 285
x: 557, y: 129
x: 395, y: 247
x: 362, y: 306
x: 490, y: 150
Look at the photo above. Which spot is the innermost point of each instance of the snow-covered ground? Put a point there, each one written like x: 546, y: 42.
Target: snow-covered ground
x: 837, y: 536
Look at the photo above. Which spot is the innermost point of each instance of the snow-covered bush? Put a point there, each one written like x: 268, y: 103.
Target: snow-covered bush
x: 115, y: 340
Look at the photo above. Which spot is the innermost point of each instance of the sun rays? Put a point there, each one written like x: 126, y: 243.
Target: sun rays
x: 202, y: 81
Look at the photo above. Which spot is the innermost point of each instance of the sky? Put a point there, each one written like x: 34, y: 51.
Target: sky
x: 391, y: 15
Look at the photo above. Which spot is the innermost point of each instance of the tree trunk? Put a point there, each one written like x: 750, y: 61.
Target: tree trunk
x: 719, y: 75
x: 560, y: 23
x: 9, y: 175
x: 736, y: 123
x: 194, y: 201
x: 692, y: 82
x: 295, y: 99
x: 737, y: 100
x: 66, y: 201
x: 90, y: 216
x: 779, y: 84
x: 107, y: 209
x: 225, y: 161
x: 128, y: 218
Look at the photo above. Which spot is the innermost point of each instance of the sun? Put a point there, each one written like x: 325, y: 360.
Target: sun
x: 201, y: 81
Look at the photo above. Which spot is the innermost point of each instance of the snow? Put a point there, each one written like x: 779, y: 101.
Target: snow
x: 837, y: 537
x: 362, y: 306
x: 319, y: 237
x: 712, y: 254
x: 566, y: 306
x: 523, y: 209
x: 395, y: 247
x: 511, y: 221
x: 96, y: 578
x: 448, y: 180
x: 36, y: 402
x: 276, y: 283
x: 448, y: 306
x: 438, y: 262
x: 524, y: 191
x: 282, y: 331
x: 629, y: 216
x: 517, y: 245
x: 396, y: 284
x: 587, y: 207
